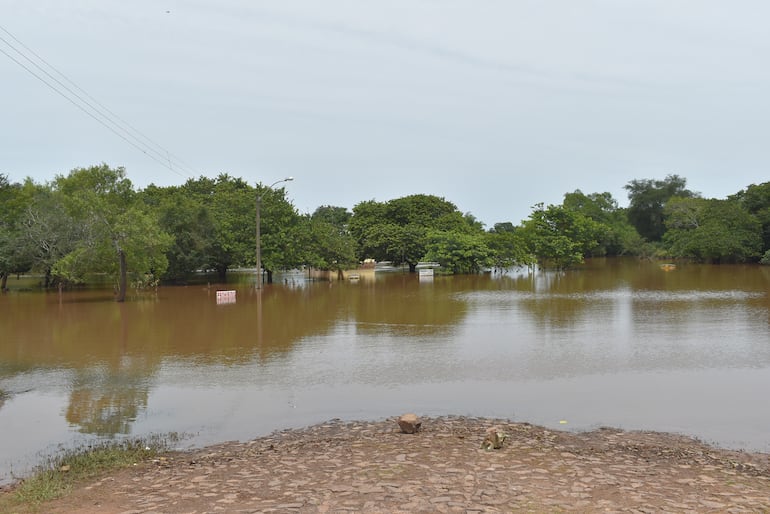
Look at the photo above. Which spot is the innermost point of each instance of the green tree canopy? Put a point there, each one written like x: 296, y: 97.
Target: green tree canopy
x: 186, y: 218
x: 329, y: 246
x: 231, y: 206
x: 459, y: 252
x: 756, y: 200
x: 15, y: 250
x: 647, y: 197
x: 283, y: 246
x: 711, y: 230
x: 398, y: 230
x: 337, y: 216
x: 117, y: 233
x: 560, y: 237
x: 508, y: 246
x: 615, y: 235
x: 50, y: 230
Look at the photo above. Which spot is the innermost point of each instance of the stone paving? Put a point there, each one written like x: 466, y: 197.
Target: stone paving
x: 371, y: 467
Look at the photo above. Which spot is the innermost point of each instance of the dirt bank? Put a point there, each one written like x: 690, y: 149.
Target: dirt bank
x: 371, y: 467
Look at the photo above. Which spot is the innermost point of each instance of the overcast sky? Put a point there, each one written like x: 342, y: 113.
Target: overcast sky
x: 495, y: 105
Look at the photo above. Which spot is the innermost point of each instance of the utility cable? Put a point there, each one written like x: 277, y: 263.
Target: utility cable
x: 136, y: 131
x: 73, y: 102
x: 161, y: 155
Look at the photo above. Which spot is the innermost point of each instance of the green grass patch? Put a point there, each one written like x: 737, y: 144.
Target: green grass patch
x: 61, y: 472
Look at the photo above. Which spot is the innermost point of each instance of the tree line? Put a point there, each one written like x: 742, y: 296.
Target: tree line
x: 93, y: 220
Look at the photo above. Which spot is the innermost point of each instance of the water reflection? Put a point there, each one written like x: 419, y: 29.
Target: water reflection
x: 405, y: 306
x: 106, y: 401
x: 618, y: 342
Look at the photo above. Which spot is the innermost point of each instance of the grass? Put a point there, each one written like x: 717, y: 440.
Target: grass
x: 55, y: 477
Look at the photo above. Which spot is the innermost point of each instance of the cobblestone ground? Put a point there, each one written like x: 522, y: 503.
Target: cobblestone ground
x: 372, y: 467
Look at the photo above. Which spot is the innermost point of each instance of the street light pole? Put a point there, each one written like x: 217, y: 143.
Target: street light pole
x: 259, y: 232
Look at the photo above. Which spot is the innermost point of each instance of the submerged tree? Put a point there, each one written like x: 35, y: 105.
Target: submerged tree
x: 15, y: 256
x: 560, y: 237
x: 281, y: 233
x: 647, y: 198
x: 615, y: 234
x: 330, y: 246
x: 756, y: 200
x: 230, y: 205
x: 400, y: 230
x: 117, y: 233
x: 459, y: 252
x: 711, y: 230
x: 185, y: 217
x: 508, y: 246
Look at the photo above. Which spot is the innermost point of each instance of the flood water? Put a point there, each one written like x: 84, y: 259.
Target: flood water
x: 616, y: 343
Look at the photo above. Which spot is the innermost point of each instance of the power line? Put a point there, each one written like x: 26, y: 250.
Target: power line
x: 136, y: 131
x: 106, y: 117
x: 73, y: 102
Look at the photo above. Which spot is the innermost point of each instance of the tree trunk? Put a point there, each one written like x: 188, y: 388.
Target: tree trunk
x: 122, y: 281
x: 340, y: 274
x: 3, y: 282
x: 269, y: 276
x: 222, y: 274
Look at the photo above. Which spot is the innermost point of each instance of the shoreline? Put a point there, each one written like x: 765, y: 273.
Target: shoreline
x: 370, y: 466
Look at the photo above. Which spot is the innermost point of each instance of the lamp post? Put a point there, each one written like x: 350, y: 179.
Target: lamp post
x: 259, y: 245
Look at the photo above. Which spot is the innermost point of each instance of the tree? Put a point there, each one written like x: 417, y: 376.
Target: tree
x: 230, y: 204
x: 366, y: 216
x: 711, y: 230
x: 118, y: 233
x: 281, y: 233
x: 50, y: 231
x: 330, y: 247
x: 616, y: 235
x: 14, y: 252
x: 647, y: 198
x: 507, y: 246
x: 225, y: 234
x: 425, y: 210
x: 459, y: 252
x: 756, y: 200
x: 398, y: 230
x: 337, y: 216
x: 559, y: 237
x: 185, y: 217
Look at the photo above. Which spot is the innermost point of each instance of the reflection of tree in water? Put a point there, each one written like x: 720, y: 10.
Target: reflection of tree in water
x: 107, y: 401
x: 188, y: 324
x: 402, y: 305
x: 553, y: 298
x: 107, y: 393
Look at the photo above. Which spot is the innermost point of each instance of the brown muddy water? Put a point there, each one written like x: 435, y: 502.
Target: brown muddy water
x: 615, y: 343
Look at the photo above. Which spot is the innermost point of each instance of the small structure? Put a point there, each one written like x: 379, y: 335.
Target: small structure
x: 425, y: 275
x: 224, y: 297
